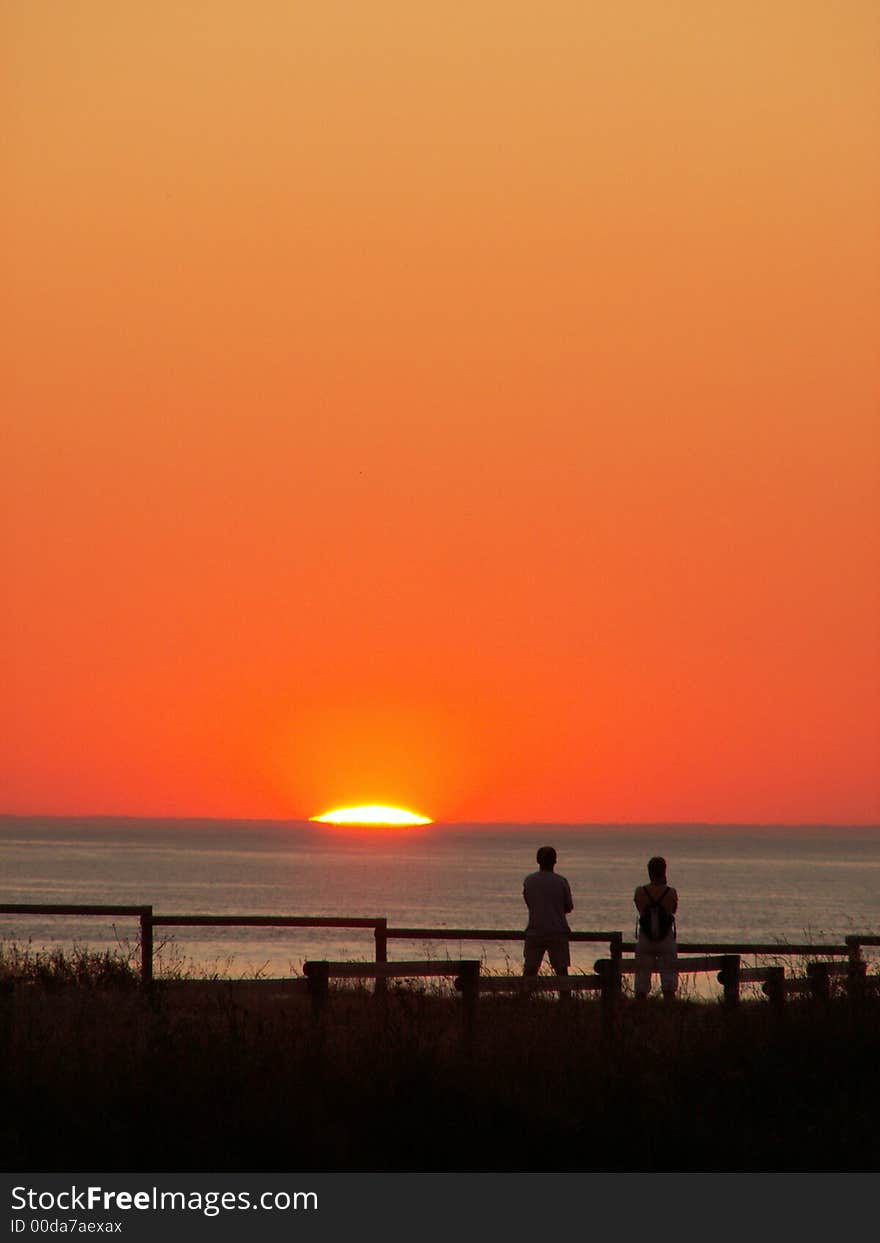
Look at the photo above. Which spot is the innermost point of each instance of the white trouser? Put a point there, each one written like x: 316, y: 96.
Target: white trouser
x: 654, y: 956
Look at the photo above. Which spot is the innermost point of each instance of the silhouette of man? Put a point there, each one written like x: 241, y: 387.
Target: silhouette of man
x: 548, y: 897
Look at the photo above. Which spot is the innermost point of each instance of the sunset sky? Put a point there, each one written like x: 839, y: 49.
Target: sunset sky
x: 466, y: 406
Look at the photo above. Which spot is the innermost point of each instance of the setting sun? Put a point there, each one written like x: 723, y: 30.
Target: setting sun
x: 371, y: 814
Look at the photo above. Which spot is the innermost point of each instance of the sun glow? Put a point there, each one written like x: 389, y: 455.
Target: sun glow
x: 372, y: 814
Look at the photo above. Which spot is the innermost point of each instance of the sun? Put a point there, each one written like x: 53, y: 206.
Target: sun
x: 371, y: 814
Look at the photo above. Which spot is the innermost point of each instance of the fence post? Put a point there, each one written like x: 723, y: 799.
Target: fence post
x: 854, y: 949
x: 855, y: 980
x: 774, y: 988
x: 318, y: 976
x: 147, y: 945
x: 608, y: 969
x: 616, y: 983
x: 729, y: 977
x: 380, y: 933
x: 820, y: 983
x: 7, y: 1001
x: 469, y: 983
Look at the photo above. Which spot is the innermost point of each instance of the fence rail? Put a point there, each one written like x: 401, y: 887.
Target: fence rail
x: 488, y: 934
x: 31, y: 908
x: 403, y: 969
x: 707, y: 962
x: 786, y: 949
x: 262, y: 921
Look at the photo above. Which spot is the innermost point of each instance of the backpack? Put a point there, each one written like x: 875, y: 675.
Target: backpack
x: 655, y: 921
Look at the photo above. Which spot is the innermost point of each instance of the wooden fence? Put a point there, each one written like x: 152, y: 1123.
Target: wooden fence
x: 723, y: 957
x: 607, y: 981
x: 379, y: 926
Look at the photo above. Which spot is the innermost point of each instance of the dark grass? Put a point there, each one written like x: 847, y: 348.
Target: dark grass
x: 96, y: 1073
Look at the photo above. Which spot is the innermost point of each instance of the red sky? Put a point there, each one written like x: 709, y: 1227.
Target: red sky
x: 472, y: 408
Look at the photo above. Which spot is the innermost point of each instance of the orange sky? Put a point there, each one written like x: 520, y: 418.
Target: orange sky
x: 471, y: 407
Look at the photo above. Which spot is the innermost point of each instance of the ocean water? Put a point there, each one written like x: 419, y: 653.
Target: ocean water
x: 756, y: 883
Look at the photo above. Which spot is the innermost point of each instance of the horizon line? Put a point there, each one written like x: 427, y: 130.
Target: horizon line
x: 283, y: 820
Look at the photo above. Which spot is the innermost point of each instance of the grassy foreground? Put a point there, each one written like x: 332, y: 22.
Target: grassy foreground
x: 95, y: 1073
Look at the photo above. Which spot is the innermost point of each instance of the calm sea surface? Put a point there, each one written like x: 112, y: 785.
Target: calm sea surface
x: 765, y: 883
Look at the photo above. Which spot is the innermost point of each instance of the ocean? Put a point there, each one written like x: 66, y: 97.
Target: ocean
x: 767, y: 883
